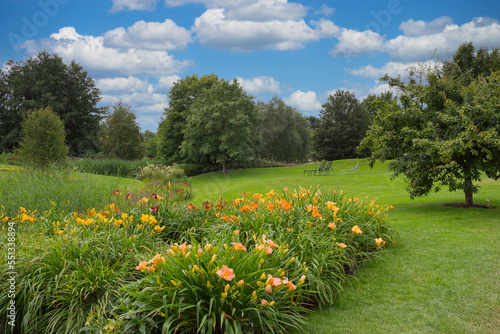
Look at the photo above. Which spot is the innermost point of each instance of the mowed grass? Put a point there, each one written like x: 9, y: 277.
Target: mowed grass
x: 443, y: 276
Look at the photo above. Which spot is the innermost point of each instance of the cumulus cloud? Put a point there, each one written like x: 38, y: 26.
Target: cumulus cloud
x: 421, y: 28
x: 213, y: 29
x: 165, y: 83
x: 260, y: 85
x: 355, y: 43
x: 149, y: 35
x: 304, y: 101
x: 266, y: 10
x: 91, y: 53
x: 420, y: 39
x: 122, y: 84
x: 483, y: 32
x: 119, y: 5
x: 393, y: 69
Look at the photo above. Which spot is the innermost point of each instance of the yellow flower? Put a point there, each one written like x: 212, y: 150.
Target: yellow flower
x: 379, y: 241
x: 356, y: 230
x: 342, y: 245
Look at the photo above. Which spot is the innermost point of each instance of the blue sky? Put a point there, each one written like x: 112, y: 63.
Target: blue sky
x: 301, y: 51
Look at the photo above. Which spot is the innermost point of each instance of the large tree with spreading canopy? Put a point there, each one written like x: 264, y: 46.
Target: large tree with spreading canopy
x: 443, y: 129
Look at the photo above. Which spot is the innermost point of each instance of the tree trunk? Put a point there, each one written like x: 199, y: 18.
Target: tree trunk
x: 468, y: 192
x: 224, y: 167
x: 468, y: 199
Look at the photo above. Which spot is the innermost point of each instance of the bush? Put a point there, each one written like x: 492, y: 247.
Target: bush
x: 161, y: 173
x: 43, y: 141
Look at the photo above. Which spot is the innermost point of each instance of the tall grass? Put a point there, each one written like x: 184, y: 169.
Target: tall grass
x: 109, y: 167
x: 40, y: 190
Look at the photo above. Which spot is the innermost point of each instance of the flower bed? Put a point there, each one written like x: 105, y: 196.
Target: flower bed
x: 258, y: 263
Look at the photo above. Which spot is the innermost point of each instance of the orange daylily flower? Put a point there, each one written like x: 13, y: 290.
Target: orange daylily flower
x: 379, y: 241
x: 245, y: 208
x: 226, y: 273
x: 272, y: 244
x: 332, y: 226
x: 287, y: 206
x: 357, y: 230
x: 238, y: 246
x: 342, y: 245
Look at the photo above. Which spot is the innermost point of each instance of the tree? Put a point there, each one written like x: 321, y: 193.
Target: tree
x: 43, y: 81
x: 444, y: 127
x: 341, y: 127
x: 171, y: 129
x: 120, y: 134
x: 43, y: 139
x: 150, y: 142
x: 222, y: 125
x: 286, y: 134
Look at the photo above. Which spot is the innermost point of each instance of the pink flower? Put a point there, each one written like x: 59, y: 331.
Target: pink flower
x: 226, y: 273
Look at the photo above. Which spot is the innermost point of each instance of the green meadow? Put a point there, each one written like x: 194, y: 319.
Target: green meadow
x: 442, y: 276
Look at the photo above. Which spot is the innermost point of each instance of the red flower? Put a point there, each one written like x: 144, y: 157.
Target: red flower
x: 154, y: 208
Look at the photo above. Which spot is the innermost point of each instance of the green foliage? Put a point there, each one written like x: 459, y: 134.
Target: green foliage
x: 120, y: 134
x: 109, y: 167
x: 150, y: 141
x: 222, y: 125
x: 442, y: 131
x: 43, y: 139
x: 171, y: 129
x: 45, y: 81
x: 161, y: 173
x: 286, y: 134
x: 342, y: 126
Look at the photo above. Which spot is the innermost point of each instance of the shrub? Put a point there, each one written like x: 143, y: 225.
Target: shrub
x: 161, y: 173
x: 43, y: 141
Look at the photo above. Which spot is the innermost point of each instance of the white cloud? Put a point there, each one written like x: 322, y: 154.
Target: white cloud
x: 393, y: 69
x: 91, y: 53
x: 422, y: 28
x: 123, y: 85
x: 212, y: 3
x: 304, y: 101
x: 355, y: 43
x: 420, y: 40
x: 260, y: 85
x: 325, y: 10
x: 165, y: 83
x: 266, y: 10
x: 119, y: 5
x: 483, y: 32
x: 213, y: 29
x: 149, y: 35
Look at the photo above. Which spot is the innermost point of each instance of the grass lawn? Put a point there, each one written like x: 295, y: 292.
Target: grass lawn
x: 443, y: 276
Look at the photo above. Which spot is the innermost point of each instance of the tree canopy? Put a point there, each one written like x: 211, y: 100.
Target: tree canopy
x: 120, y: 134
x: 45, y: 81
x: 222, y: 125
x: 181, y: 98
x: 444, y: 127
x: 341, y: 127
x: 286, y: 134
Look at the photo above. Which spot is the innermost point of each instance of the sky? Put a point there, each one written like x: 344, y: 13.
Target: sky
x: 301, y: 51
